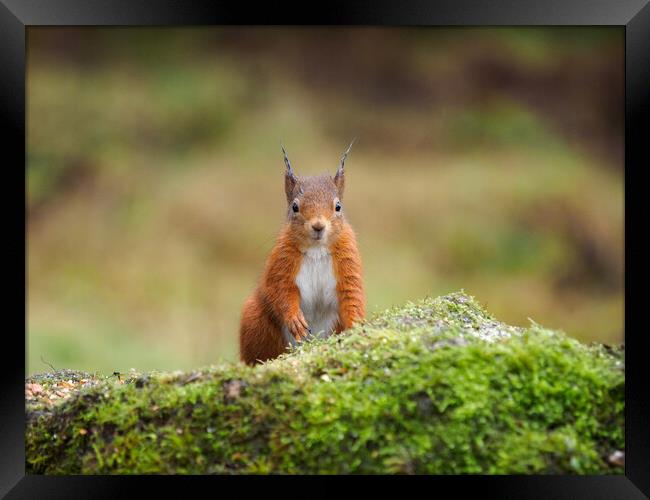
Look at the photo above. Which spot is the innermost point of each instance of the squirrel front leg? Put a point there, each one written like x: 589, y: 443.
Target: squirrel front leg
x: 292, y: 316
x: 282, y: 292
x: 349, y: 283
x: 351, y: 303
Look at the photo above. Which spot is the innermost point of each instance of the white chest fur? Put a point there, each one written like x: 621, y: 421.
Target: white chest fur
x: 317, y: 285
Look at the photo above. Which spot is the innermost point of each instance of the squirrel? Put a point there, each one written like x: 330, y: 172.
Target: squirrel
x: 312, y: 282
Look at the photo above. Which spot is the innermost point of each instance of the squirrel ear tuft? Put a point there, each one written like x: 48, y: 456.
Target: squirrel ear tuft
x: 339, y: 178
x: 290, y: 179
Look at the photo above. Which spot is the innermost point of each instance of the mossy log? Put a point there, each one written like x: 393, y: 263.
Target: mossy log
x: 437, y: 386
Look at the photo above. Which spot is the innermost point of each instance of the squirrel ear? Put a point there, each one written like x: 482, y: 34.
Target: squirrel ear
x: 339, y: 178
x: 290, y: 179
x: 339, y: 181
x: 289, y: 184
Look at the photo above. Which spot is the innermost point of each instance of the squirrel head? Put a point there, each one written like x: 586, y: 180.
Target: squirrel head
x: 314, y: 204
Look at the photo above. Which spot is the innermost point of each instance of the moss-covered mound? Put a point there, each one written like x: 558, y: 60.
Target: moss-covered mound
x: 433, y: 387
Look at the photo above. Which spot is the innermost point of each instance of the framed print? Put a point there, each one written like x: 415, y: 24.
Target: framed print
x: 340, y: 241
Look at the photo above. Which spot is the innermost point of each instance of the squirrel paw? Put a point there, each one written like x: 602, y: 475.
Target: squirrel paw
x: 298, y: 327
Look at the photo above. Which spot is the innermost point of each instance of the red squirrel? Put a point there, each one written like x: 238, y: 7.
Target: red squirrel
x: 312, y: 283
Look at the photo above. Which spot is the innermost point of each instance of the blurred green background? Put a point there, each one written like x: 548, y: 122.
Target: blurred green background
x: 486, y: 159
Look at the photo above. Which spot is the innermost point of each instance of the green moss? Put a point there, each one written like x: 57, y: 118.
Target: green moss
x: 437, y: 386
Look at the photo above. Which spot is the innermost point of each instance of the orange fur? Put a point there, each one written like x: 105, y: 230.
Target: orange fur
x: 275, y: 302
x: 349, y: 284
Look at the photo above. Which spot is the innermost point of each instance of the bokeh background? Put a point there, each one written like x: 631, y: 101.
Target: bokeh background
x: 486, y: 159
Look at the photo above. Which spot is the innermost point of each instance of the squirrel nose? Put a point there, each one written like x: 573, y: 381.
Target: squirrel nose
x: 318, y: 227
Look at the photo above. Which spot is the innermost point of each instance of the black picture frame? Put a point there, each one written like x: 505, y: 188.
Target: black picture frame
x: 633, y: 15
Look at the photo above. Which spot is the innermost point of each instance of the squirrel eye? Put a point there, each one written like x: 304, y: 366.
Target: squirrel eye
x: 294, y: 207
x: 338, y: 206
